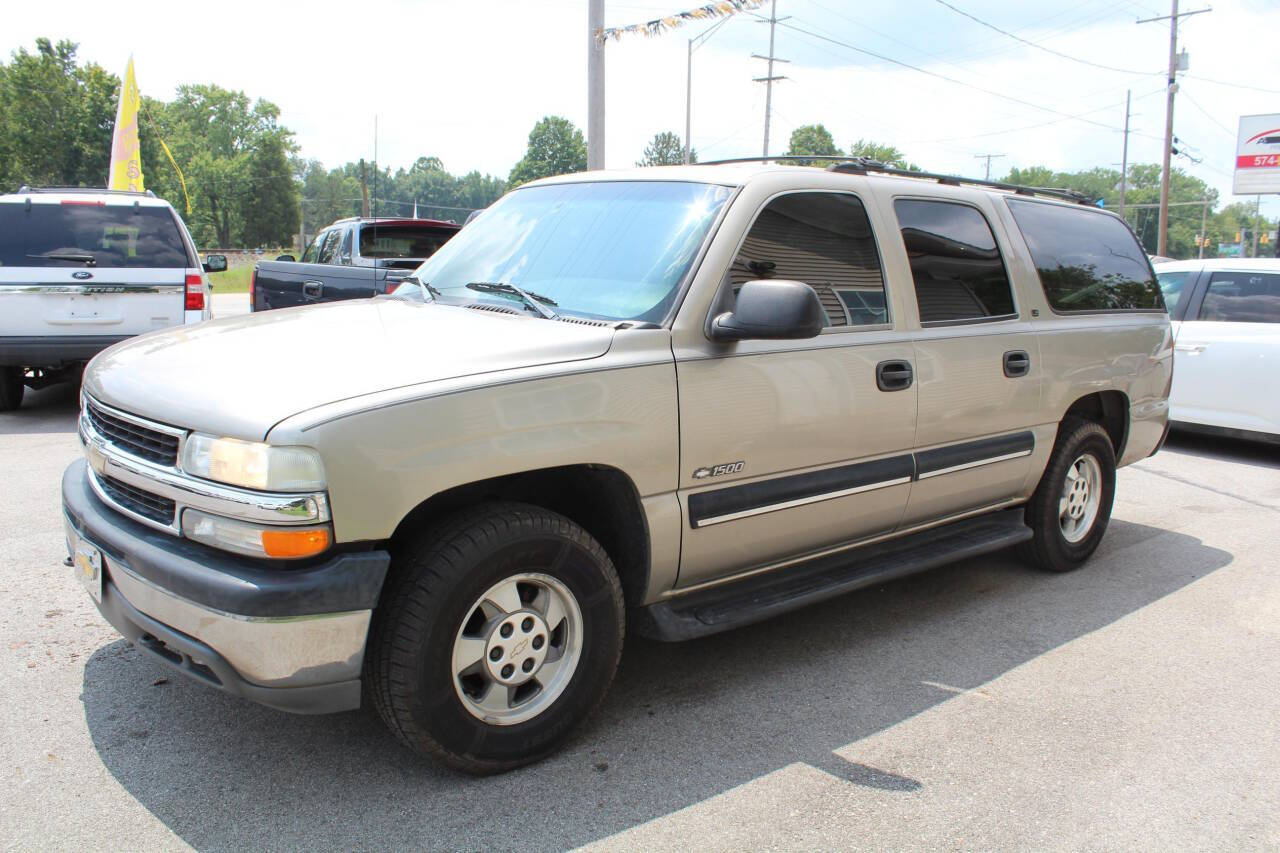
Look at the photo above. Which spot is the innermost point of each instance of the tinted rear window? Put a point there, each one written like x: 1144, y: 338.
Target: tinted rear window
x: 67, y: 235
x: 1242, y: 297
x: 1087, y: 260
x: 402, y: 241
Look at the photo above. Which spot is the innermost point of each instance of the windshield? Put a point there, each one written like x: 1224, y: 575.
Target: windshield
x: 614, y: 250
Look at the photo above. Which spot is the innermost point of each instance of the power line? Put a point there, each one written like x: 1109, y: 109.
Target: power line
x: 1049, y: 50
x: 1228, y: 131
x: 1043, y: 123
x: 1236, y: 85
x: 954, y: 81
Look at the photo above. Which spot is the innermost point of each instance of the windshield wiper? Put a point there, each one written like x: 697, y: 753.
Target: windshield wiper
x: 68, y: 256
x: 425, y: 286
x: 535, y: 301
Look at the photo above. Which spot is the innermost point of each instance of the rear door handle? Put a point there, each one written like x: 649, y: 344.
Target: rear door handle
x: 893, y: 375
x: 1017, y: 363
x: 312, y: 289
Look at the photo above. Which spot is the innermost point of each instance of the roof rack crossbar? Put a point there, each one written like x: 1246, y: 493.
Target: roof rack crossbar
x: 863, y: 165
x: 25, y: 190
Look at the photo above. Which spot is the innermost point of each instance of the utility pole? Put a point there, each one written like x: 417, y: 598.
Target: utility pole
x: 1204, y: 224
x: 769, y: 77
x: 1162, y: 237
x: 1124, y: 155
x: 1257, y: 224
x: 595, y: 85
x: 694, y: 43
x: 988, y: 158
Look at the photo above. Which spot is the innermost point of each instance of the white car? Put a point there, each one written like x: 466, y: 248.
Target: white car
x: 1226, y: 326
x: 82, y: 269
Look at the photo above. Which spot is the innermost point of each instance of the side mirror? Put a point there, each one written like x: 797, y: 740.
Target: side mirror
x: 771, y: 309
x: 290, y: 258
x: 215, y: 263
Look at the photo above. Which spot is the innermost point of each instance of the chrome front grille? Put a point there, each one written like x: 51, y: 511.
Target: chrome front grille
x: 130, y: 436
x: 158, y: 509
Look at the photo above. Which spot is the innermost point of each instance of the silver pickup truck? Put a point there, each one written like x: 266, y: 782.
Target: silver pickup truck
x: 671, y: 401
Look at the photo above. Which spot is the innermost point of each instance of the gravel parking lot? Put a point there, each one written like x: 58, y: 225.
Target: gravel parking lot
x: 1132, y: 704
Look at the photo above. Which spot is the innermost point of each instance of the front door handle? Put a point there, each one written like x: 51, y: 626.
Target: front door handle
x: 893, y: 375
x: 1017, y: 363
x: 312, y: 289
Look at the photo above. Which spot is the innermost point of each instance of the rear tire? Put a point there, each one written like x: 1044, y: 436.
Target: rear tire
x: 498, y: 635
x: 1069, y: 511
x: 12, y: 387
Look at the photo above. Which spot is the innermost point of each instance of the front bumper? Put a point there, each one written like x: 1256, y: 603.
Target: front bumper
x: 291, y: 638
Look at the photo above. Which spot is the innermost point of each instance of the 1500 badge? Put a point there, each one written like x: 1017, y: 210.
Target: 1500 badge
x: 719, y: 470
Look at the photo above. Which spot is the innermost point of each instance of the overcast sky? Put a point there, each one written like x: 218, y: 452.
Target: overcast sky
x: 466, y: 80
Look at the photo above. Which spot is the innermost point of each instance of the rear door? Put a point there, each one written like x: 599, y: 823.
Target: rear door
x: 977, y: 359
x: 81, y: 268
x: 1227, y: 354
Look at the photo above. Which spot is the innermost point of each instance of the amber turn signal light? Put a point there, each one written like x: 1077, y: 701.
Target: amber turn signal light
x: 295, y: 543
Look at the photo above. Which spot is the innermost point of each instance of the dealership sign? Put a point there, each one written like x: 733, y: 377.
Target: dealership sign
x: 1258, y: 155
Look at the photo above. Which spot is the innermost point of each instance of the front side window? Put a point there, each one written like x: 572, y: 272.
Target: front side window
x: 85, y: 233
x: 1087, y: 260
x: 1242, y: 297
x: 313, y: 251
x: 608, y: 250
x: 957, y: 268
x: 824, y: 240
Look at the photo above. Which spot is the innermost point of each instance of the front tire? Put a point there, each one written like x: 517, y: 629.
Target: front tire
x: 1069, y: 511
x: 12, y: 386
x: 499, y: 634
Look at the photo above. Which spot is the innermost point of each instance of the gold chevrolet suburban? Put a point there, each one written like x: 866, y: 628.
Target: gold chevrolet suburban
x: 673, y: 401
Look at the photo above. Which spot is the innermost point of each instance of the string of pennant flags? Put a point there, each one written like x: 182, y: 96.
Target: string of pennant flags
x: 657, y: 26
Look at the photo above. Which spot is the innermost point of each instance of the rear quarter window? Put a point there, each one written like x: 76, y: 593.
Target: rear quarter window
x: 1087, y: 260
x: 88, y: 234
x: 1242, y: 297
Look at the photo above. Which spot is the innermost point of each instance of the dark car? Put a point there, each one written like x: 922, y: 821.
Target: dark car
x: 351, y: 259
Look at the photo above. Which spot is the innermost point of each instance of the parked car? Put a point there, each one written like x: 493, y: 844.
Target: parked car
x: 81, y: 269
x: 1226, y: 325
x: 351, y: 259
x: 670, y: 401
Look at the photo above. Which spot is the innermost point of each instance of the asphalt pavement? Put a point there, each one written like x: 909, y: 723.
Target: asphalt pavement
x: 1133, y: 704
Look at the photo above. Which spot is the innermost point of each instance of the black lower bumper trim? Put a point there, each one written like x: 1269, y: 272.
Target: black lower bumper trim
x: 219, y: 580
x: 201, y: 663
x: 53, y: 350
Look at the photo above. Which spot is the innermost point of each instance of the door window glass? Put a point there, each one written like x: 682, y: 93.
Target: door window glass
x: 824, y: 240
x: 344, y: 254
x: 958, y: 272
x: 1242, y: 297
x: 1087, y: 259
x: 313, y: 251
x: 330, y: 247
x: 1172, y: 285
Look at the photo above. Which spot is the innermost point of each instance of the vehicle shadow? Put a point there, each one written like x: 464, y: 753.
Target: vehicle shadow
x: 683, y: 723
x: 1222, y: 448
x: 49, y: 410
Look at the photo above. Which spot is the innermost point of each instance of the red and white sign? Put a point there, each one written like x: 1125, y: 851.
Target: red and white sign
x: 1258, y: 155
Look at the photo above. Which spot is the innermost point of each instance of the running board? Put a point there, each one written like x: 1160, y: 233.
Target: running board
x: 759, y: 597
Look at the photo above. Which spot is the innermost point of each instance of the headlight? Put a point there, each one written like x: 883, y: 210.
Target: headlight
x: 252, y: 464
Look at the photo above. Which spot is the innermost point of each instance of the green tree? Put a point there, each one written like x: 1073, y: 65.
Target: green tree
x: 56, y: 118
x: 271, y: 216
x: 215, y: 135
x: 556, y: 147
x: 666, y: 149
x: 886, y: 154
x: 813, y: 140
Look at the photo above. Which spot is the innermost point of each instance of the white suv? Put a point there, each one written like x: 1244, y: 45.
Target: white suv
x: 82, y: 269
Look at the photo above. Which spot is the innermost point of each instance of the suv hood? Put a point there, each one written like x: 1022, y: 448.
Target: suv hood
x: 240, y: 376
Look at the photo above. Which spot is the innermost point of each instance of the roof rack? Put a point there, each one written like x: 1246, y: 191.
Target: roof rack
x: 864, y: 165
x: 94, y: 190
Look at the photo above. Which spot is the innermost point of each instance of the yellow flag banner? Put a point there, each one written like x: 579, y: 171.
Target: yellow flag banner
x: 126, y: 155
